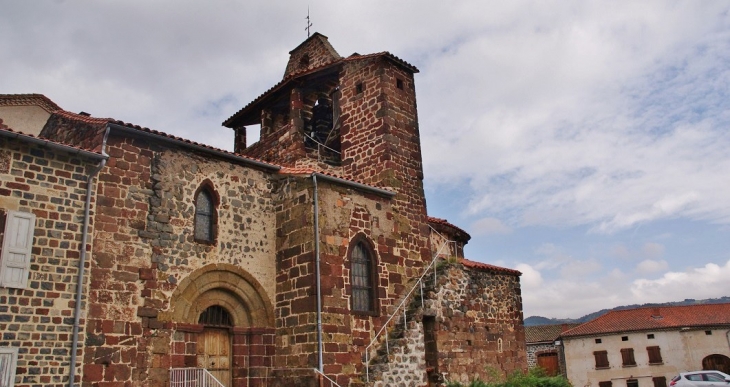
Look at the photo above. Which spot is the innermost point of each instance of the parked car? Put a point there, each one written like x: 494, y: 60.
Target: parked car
x: 700, y: 379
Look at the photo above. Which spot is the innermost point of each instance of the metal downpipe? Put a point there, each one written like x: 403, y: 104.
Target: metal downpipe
x: 82, y: 261
x: 318, y: 279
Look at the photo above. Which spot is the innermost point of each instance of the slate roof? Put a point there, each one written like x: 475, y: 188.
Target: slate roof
x: 443, y: 222
x: 544, y: 333
x: 655, y: 318
x: 488, y: 267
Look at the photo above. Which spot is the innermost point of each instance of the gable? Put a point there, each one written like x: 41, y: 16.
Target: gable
x: 314, y: 52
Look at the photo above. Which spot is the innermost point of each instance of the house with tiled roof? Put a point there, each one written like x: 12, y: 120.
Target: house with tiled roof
x: 646, y: 347
x: 303, y: 259
x: 543, y: 347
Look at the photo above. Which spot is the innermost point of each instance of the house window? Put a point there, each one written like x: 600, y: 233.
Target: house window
x: 17, y: 246
x: 632, y: 383
x: 659, y: 381
x: 627, y: 355
x: 363, y: 284
x: 655, y: 355
x: 605, y: 384
x: 601, y: 359
x: 205, y: 214
x: 598, y: 341
x: 624, y: 338
x: 650, y: 336
x: 708, y: 333
x: 8, y: 363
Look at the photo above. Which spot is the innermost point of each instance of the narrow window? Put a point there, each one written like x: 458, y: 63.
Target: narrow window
x: 601, y: 359
x: 359, y: 88
x: 598, y: 341
x: 624, y: 338
x: 362, y: 279
x: 708, y: 333
x: 627, y: 355
x: 8, y: 363
x: 399, y: 83
x: 659, y: 381
x: 655, y: 355
x: 304, y: 61
x: 17, y: 246
x: 205, y: 213
x: 605, y: 384
x: 650, y: 336
x: 499, y: 345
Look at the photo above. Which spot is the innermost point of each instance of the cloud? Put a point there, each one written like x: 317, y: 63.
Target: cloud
x: 652, y: 249
x: 651, y: 266
x: 702, y: 282
x: 486, y: 226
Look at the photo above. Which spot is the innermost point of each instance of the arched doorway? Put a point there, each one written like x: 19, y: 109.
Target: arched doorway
x: 223, y: 314
x: 716, y: 362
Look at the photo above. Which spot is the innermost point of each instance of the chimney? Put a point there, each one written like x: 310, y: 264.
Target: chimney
x: 239, y: 143
x: 655, y: 313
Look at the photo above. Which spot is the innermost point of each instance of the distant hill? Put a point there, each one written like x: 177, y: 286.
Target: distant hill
x: 539, y: 320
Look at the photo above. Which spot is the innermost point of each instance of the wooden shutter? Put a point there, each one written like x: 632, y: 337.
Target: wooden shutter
x: 659, y: 381
x: 8, y: 362
x: 601, y: 359
x: 627, y: 355
x: 655, y: 355
x: 17, y: 245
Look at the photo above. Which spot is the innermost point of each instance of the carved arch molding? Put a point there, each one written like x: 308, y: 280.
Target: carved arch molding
x: 227, y: 286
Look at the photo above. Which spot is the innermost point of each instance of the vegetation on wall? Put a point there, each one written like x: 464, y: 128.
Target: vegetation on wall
x: 535, y: 377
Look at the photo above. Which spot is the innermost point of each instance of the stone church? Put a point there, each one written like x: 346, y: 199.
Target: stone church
x: 131, y: 257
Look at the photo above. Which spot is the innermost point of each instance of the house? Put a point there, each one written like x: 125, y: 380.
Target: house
x: 305, y: 258
x: 543, y: 347
x: 646, y: 347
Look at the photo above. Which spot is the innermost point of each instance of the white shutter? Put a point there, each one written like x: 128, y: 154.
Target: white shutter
x: 8, y: 363
x: 17, y: 245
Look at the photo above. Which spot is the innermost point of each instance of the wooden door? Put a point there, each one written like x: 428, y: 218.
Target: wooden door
x: 549, y: 362
x: 214, y: 353
x: 716, y: 362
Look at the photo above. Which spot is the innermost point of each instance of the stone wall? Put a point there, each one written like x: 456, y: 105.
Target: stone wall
x: 149, y: 273
x: 38, y: 320
x: 479, y: 322
x: 534, y: 349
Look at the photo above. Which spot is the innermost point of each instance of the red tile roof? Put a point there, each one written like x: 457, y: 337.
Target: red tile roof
x: 543, y: 333
x: 488, y: 267
x: 309, y: 171
x: 29, y: 100
x: 655, y: 318
x: 291, y: 77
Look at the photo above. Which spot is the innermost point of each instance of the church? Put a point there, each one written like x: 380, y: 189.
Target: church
x: 132, y: 257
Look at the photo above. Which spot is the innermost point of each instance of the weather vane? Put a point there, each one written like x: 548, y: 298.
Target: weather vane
x: 309, y: 23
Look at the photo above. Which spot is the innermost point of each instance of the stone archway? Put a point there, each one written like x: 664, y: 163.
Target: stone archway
x: 227, y: 347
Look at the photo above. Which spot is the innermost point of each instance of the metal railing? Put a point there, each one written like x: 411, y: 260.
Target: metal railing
x: 332, y: 382
x: 402, y: 305
x: 193, y: 377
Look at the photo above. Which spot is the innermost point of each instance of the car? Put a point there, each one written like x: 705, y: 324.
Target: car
x: 700, y: 379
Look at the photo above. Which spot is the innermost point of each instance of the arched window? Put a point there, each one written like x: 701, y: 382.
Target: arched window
x: 205, y: 215
x: 362, y: 271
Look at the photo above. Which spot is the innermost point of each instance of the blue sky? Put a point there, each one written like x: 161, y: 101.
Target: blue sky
x: 583, y: 143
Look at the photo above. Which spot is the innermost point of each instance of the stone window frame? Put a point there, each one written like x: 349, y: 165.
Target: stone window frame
x: 207, y: 187
x: 369, y: 248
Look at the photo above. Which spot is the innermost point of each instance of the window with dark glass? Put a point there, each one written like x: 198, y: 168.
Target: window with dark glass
x: 655, y: 355
x: 204, y: 216
x: 627, y: 355
x: 601, y: 359
x: 632, y: 383
x: 659, y: 381
x: 362, y: 279
x: 605, y: 384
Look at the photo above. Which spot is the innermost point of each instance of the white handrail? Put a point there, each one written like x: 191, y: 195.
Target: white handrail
x: 333, y: 383
x: 193, y: 377
x: 406, y: 299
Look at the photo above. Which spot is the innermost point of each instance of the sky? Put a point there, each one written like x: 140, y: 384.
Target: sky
x: 584, y: 143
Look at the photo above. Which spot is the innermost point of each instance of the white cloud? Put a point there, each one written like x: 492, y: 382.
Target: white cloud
x: 531, y: 278
x: 651, y: 266
x: 487, y: 226
x: 708, y: 281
